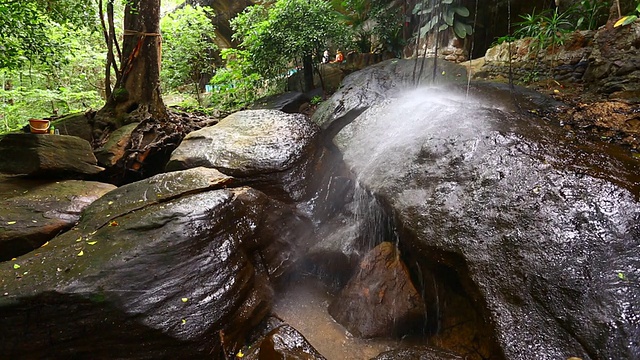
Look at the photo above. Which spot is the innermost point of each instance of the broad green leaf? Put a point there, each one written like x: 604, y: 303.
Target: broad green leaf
x: 460, y: 29
x: 461, y: 10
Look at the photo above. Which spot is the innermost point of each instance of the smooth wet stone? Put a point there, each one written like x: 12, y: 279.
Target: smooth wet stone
x: 181, y: 273
x: 538, y: 227
x: 33, y: 214
x: 289, y: 102
x: 47, y: 155
x: 418, y: 353
x: 278, y: 151
x: 285, y: 342
x: 380, y: 299
x: 114, y: 149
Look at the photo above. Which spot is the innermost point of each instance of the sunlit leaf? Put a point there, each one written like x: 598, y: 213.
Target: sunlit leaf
x: 92, y: 242
x: 81, y: 253
x: 16, y: 266
x: 110, y: 202
x: 621, y: 276
x: 185, y: 300
x: 184, y: 321
x: 79, y: 239
x: 45, y: 244
x: 240, y: 354
x: 10, y: 222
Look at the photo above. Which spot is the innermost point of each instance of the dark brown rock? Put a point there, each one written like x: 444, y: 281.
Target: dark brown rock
x: 114, y: 149
x: 418, y: 353
x: 174, y: 272
x: 75, y: 125
x: 30, y: 217
x: 54, y: 155
x: 380, y: 299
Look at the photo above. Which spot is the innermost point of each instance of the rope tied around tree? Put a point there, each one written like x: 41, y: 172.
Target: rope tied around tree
x: 136, y: 50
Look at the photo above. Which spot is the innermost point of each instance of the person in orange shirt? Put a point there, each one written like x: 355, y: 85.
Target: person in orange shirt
x: 339, y: 57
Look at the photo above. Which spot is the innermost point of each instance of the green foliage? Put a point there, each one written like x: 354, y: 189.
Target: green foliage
x: 289, y: 30
x: 26, y: 28
x: 442, y: 15
x: 368, y: 20
x: 548, y: 28
x: 20, y: 104
x: 503, y: 39
x: 591, y: 14
x: 187, y: 46
x: 236, y: 86
x: 316, y: 100
x: 629, y: 19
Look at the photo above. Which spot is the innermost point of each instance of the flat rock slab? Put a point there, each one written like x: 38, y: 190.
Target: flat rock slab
x: 30, y: 216
x: 55, y: 155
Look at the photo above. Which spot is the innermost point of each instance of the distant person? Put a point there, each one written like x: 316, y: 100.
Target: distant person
x: 325, y: 57
x: 339, y: 57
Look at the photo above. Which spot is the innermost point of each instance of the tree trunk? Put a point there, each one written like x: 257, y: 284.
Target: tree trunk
x: 307, y: 68
x: 136, y: 95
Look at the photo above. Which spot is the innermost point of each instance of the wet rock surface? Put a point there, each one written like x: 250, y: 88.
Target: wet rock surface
x: 277, y: 150
x: 285, y: 342
x: 540, y: 228
x: 48, y: 155
x: 33, y: 214
x: 114, y: 149
x: 418, y: 353
x: 178, y: 273
x: 373, y: 84
x: 380, y: 299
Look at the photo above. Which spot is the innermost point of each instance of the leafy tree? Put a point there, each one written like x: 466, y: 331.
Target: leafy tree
x: 24, y: 34
x: 235, y: 85
x: 188, y: 46
x: 371, y: 19
x: 291, y: 29
x: 136, y: 95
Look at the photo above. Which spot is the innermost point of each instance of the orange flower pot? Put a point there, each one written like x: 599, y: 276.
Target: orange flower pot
x: 39, y: 126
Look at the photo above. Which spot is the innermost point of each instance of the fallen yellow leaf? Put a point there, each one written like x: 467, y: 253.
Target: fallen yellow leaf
x: 16, y: 266
x: 11, y: 222
x: 81, y: 253
x: 184, y: 321
x: 185, y: 299
x: 79, y: 239
x: 110, y: 202
x: 240, y: 354
x: 45, y: 244
x: 92, y: 242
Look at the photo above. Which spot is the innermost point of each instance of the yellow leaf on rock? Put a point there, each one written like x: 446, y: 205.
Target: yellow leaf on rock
x: 10, y: 222
x: 110, y: 202
x: 45, y: 244
x: 79, y: 239
x: 620, y: 21
x: 81, y: 253
x: 16, y: 266
x: 240, y: 354
x: 92, y: 242
x: 185, y: 299
x: 184, y: 321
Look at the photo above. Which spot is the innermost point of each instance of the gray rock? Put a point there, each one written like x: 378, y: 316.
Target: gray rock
x: 277, y: 150
x: 538, y: 227
x: 53, y: 155
x: 289, y: 102
x: 285, y: 342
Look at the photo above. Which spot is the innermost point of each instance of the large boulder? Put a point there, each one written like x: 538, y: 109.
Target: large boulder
x: 538, y: 228
x: 51, y: 155
x: 278, y: 151
x: 380, y: 300
x: 175, y: 269
x: 364, y: 88
x: 284, y: 342
x: 31, y: 217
